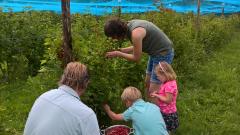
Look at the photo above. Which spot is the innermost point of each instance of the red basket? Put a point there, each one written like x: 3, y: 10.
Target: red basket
x: 117, y: 130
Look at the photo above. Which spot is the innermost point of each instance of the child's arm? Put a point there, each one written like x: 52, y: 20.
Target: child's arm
x: 166, y: 99
x: 112, y: 114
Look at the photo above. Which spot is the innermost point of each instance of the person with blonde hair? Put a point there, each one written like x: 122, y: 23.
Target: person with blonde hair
x: 167, y: 95
x: 146, y: 117
x: 60, y: 111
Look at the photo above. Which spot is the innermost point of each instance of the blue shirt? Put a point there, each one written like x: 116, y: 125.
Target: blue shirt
x: 61, y: 112
x: 146, y: 118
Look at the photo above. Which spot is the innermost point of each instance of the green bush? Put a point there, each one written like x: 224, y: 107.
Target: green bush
x: 21, y: 42
x: 110, y: 76
x: 34, y: 39
x: 214, y: 33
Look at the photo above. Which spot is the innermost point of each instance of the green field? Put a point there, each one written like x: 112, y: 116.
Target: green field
x: 208, y: 104
x: 206, y: 62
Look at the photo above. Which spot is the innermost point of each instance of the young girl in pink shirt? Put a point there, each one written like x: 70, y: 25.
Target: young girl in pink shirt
x: 167, y: 95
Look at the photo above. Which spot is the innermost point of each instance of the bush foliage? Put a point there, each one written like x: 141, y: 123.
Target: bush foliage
x: 21, y: 39
x: 30, y: 42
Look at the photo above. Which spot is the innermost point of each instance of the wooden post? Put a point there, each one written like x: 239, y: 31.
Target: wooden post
x: 119, y: 9
x: 223, y: 11
x: 223, y: 4
x: 198, y: 15
x: 67, y: 38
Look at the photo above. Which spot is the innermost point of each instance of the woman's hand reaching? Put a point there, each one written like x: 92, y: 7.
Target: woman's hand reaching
x: 112, y: 54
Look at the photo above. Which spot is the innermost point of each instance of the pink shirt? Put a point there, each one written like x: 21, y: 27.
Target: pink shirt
x: 168, y: 87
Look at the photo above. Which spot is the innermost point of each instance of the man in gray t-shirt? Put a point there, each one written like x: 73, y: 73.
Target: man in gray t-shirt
x: 144, y: 37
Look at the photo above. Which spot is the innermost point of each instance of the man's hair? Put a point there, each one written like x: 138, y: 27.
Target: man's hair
x: 75, y: 76
x: 163, y: 68
x: 131, y: 94
x: 115, y: 27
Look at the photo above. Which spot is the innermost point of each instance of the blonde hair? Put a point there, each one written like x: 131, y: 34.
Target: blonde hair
x: 75, y: 76
x: 163, y: 68
x: 131, y: 93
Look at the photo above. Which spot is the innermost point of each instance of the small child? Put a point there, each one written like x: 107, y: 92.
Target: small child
x: 146, y: 117
x: 167, y: 95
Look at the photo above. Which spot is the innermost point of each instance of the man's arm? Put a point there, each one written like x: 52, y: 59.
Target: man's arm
x: 91, y: 126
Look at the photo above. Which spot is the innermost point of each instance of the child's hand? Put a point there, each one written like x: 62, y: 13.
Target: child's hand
x: 106, y: 107
x: 154, y: 94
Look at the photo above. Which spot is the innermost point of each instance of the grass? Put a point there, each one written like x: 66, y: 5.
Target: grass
x: 16, y: 100
x: 207, y: 103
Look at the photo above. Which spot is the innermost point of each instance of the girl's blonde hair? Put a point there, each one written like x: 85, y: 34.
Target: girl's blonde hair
x: 163, y: 68
x: 131, y: 93
x: 75, y: 76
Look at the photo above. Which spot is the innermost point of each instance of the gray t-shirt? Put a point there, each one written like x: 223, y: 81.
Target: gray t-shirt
x: 60, y: 112
x: 155, y: 40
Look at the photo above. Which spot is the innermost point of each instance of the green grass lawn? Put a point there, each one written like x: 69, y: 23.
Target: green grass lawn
x: 207, y: 103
